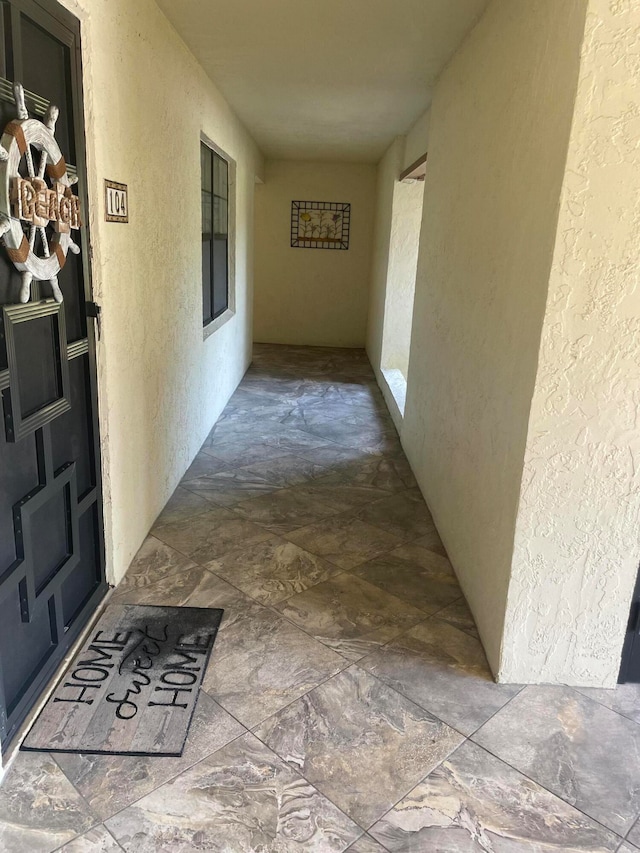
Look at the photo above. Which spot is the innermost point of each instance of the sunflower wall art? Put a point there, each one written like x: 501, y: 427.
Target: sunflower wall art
x: 320, y: 224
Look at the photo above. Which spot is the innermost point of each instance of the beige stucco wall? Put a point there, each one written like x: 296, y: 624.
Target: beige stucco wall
x: 161, y: 385
x: 387, y: 174
x: 577, y: 542
x: 498, y: 136
x: 398, y: 215
x: 316, y: 297
x: 404, y: 239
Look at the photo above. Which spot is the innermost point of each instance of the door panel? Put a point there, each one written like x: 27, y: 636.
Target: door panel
x: 51, y: 528
x: 630, y: 665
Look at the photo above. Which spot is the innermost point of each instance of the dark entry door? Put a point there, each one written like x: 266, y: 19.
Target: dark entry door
x: 630, y: 666
x: 51, y: 533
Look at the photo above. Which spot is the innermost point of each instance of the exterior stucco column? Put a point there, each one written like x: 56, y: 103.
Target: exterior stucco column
x: 577, y: 537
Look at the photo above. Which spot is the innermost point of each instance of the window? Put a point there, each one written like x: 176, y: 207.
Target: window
x: 215, y: 233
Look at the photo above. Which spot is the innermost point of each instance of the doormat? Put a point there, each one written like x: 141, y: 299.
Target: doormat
x: 133, y: 687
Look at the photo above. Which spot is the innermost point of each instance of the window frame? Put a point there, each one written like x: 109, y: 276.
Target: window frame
x: 211, y: 325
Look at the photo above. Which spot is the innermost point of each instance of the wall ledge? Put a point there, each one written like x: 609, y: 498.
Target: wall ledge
x: 394, y: 390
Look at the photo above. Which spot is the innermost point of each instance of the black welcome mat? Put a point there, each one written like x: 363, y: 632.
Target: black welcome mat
x: 133, y: 687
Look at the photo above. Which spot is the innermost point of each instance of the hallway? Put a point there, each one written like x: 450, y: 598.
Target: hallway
x: 348, y: 690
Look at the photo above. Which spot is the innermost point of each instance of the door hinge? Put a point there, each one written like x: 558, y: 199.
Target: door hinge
x: 94, y: 310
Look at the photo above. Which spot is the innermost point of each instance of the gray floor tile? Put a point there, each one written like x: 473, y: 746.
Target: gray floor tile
x: 245, y: 405
x: 40, y: 810
x: 349, y: 615
x: 182, y: 504
x: 249, y: 429
x: 111, y: 782
x: 229, y: 488
x: 564, y: 741
x: 361, y: 744
x: 405, y: 515
x: 390, y: 474
x: 347, y: 435
x: 211, y: 534
x: 264, y: 477
x: 236, y: 453
x: 242, y: 799
x: 272, y: 570
x: 634, y: 834
x: 154, y: 561
x: 625, y: 699
x: 318, y: 412
x: 335, y: 457
x: 284, y: 511
x: 445, y: 671
x: 261, y: 662
x: 97, y: 840
x: 296, y: 440
x: 627, y: 848
x: 366, y: 844
x: 413, y: 573
x: 432, y: 542
x: 459, y: 615
x: 345, y: 541
x: 474, y: 803
x: 196, y: 587
x: 289, y: 470
x: 343, y: 497
x: 203, y: 466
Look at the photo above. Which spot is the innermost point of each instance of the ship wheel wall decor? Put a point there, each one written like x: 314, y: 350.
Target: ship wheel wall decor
x: 36, y: 219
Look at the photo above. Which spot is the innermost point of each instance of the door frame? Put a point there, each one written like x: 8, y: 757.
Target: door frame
x: 56, y: 19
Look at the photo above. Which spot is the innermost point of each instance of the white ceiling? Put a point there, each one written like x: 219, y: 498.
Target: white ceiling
x: 324, y: 79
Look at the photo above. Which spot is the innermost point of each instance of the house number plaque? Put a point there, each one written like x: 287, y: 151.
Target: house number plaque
x: 116, y: 202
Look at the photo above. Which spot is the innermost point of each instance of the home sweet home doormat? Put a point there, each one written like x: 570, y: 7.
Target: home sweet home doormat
x: 133, y: 687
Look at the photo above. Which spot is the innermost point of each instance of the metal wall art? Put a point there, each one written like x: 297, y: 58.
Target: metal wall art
x: 31, y: 202
x: 320, y: 224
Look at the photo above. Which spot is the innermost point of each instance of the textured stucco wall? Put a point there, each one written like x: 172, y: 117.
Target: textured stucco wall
x: 577, y: 543
x: 404, y: 240
x: 316, y: 297
x: 161, y: 386
x: 387, y: 174
x: 398, y: 218
x: 499, y: 130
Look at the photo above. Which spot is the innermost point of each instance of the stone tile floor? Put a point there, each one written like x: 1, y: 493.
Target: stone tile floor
x: 348, y: 705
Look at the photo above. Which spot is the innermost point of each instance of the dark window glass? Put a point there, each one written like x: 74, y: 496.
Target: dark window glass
x: 215, y: 233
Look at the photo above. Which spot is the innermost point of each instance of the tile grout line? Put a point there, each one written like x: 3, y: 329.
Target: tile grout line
x: 91, y: 828
x: 535, y: 781
x: 541, y: 785
x: 339, y: 569
x: 599, y: 702
x: 155, y: 532
x: 284, y: 616
x: 166, y: 781
x: 468, y: 739
x: 393, y: 690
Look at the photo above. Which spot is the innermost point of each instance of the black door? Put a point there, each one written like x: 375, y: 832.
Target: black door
x: 51, y: 533
x: 630, y: 668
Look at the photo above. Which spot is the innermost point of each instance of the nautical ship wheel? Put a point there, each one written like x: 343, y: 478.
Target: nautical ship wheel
x: 35, y: 253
